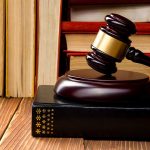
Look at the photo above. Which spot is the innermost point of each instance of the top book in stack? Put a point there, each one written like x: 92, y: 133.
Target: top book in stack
x: 137, y: 10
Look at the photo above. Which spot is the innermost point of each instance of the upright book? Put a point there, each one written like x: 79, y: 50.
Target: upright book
x: 53, y: 116
x: 20, y: 48
x: 48, y: 36
x: 2, y: 45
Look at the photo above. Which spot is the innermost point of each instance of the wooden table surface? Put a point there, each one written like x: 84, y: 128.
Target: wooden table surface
x: 15, y: 132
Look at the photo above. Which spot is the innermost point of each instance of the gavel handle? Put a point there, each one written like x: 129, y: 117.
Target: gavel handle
x: 137, y: 56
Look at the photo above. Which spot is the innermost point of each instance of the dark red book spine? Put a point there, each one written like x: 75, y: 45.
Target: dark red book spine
x: 83, y: 53
x: 93, y: 27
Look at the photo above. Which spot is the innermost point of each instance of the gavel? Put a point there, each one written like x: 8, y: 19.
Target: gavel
x: 112, y: 44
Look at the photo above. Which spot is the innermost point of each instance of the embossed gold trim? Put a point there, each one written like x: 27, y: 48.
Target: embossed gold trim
x: 110, y: 46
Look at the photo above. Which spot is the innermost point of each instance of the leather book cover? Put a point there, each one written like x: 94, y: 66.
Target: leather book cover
x: 56, y: 117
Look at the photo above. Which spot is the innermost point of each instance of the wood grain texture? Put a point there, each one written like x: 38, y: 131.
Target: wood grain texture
x: 18, y: 134
x: 7, y: 110
x: 117, y: 145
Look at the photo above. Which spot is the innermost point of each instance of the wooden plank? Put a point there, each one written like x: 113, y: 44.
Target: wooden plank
x: 18, y: 134
x: 7, y: 110
x: 116, y: 145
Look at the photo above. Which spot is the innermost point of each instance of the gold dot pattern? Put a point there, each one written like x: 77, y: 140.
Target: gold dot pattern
x: 44, y: 124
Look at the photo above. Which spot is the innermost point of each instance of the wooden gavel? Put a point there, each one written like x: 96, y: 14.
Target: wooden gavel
x: 112, y: 44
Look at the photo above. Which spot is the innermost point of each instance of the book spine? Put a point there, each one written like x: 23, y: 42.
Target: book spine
x: 90, y: 122
x: 93, y: 27
x: 76, y: 53
x: 96, y: 2
x: 36, y: 45
x: 84, y: 53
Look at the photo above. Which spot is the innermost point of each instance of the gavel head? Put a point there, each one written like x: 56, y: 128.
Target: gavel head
x: 111, y: 44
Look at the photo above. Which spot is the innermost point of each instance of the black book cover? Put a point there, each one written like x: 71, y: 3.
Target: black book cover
x: 55, y: 117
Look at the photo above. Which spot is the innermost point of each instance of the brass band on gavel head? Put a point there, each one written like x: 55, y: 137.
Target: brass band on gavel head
x: 110, y: 45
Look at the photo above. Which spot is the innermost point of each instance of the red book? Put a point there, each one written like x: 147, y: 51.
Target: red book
x: 93, y: 27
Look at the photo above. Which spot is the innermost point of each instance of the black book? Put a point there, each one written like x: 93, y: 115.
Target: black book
x: 53, y: 116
